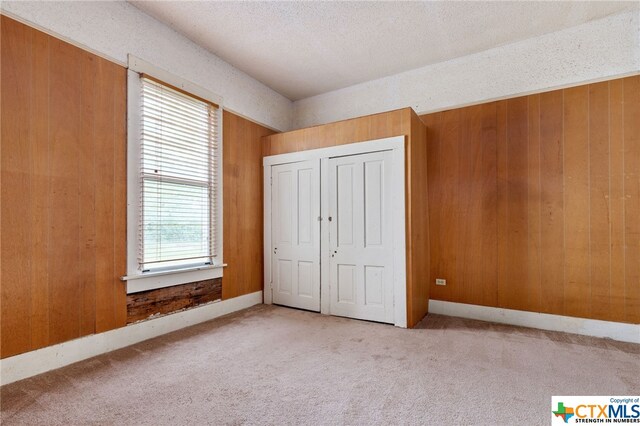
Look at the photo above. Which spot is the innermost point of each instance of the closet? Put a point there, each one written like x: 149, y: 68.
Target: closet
x: 335, y: 228
x: 339, y: 200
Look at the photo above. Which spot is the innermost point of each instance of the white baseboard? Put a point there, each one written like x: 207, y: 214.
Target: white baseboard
x: 588, y: 327
x: 29, y: 364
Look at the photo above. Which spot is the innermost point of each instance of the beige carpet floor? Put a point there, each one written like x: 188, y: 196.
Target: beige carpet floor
x: 273, y: 365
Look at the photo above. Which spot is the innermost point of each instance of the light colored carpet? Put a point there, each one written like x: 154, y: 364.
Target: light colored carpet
x: 273, y: 365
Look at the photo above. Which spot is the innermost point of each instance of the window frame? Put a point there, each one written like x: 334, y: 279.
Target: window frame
x: 158, y: 278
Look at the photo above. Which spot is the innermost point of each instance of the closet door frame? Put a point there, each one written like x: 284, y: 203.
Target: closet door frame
x: 395, y: 144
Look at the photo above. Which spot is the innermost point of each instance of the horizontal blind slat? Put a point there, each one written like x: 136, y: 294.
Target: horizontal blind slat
x: 192, y: 138
x: 179, y: 142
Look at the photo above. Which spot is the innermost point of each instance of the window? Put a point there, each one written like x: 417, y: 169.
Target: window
x: 178, y: 178
x: 174, y: 181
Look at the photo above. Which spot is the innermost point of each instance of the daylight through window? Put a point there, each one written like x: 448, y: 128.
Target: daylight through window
x: 179, y: 140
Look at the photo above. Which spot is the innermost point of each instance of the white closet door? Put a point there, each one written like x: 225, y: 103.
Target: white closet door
x: 361, y: 238
x: 295, y: 204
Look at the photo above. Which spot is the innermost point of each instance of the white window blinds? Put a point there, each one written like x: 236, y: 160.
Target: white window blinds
x: 178, y: 178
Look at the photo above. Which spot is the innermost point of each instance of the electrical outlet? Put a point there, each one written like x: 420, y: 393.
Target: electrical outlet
x: 440, y: 281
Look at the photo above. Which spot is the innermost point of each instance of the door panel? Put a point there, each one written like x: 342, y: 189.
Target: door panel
x: 344, y: 207
x: 346, y: 283
x: 295, y: 233
x: 374, y: 285
x: 283, y: 284
x: 360, y: 236
x: 306, y: 221
x: 305, y: 279
x: 373, y: 173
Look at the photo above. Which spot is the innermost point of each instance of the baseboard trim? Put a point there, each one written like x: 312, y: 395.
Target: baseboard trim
x: 613, y: 330
x: 29, y: 364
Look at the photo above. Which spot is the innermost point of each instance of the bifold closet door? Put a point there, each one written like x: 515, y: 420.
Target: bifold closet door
x: 361, y: 237
x: 295, y: 228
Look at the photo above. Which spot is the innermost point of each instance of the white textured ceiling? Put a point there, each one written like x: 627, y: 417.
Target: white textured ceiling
x: 301, y: 49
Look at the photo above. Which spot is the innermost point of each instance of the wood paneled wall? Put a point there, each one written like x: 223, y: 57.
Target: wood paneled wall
x: 242, y: 191
x: 535, y: 202
x: 417, y: 212
x: 63, y: 186
x: 63, y: 178
x: 377, y: 126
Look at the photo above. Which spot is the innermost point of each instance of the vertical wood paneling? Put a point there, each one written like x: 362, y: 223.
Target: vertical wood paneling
x: 362, y: 127
x: 449, y: 208
x: 242, y: 204
x: 54, y: 197
x: 16, y: 232
x: 577, y: 282
x: 39, y: 180
x: 631, y: 133
x: 552, y: 200
x: 534, y: 206
x: 418, y: 254
x: 345, y: 129
x: 564, y: 195
x: 463, y: 200
x: 502, y: 194
x: 599, y: 200
x: 616, y: 226
x: 376, y: 126
x: 64, y: 144
x: 104, y: 172
x: 487, y: 224
x: 86, y: 168
x: 466, y: 243
x: 476, y: 218
x: 433, y: 123
x: 512, y: 289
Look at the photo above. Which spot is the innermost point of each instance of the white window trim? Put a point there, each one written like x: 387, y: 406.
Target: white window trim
x: 136, y: 280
